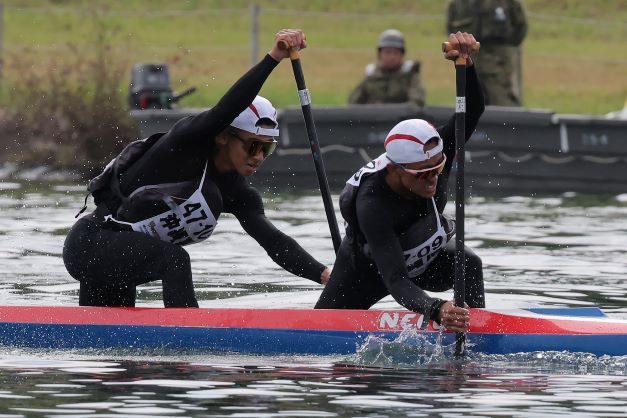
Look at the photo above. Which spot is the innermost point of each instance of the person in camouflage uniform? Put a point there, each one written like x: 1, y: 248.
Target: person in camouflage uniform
x: 500, y: 26
x: 392, y: 79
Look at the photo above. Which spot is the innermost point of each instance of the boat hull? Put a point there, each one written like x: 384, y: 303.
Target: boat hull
x: 299, y: 331
x: 513, y: 150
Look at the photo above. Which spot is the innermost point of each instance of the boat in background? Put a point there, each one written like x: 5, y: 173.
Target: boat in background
x: 513, y: 150
x: 303, y: 331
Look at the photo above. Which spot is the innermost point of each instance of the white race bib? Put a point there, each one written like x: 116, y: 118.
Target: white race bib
x: 417, y: 259
x: 190, y: 222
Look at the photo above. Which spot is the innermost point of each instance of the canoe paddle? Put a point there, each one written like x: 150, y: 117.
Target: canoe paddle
x: 460, y: 142
x: 305, y: 103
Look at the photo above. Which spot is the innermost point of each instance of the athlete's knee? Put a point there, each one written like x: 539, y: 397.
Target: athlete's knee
x: 73, y: 266
x: 74, y: 257
x: 329, y: 297
x: 177, y: 259
x: 108, y: 294
x: 180, y: 299
x: 324, y: 303
x: 177, y: 283
x: 473, y: 261
x: 475, y: 293
x: 334, y: 297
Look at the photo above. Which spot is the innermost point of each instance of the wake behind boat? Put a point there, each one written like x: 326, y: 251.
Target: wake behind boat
x: 303, y: 331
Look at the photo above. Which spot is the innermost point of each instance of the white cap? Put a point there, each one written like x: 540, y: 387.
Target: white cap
x: 260, y: 108
x: 406, y: 141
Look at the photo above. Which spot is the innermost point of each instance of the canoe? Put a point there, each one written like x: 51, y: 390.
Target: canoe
x: 302, y: 331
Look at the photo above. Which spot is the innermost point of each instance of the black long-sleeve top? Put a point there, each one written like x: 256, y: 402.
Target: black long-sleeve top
x: 179, y: 157
x: 382, y: 215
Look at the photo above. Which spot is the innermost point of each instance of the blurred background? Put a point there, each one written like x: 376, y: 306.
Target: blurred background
x: 572, y: 55
x: 66, y: 64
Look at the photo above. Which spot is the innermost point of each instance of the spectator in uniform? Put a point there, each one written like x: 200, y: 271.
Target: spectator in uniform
x: 392, y: 79
x: 501, y: 27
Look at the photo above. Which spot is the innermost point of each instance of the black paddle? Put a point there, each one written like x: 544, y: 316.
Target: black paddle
x: 305, y: 103
x: 460, y: 142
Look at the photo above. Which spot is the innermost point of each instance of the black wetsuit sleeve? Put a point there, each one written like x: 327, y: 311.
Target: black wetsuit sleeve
x: 284, y: 250
x: 210, y: 122
x: 376, y: 223
x: 475, y: 106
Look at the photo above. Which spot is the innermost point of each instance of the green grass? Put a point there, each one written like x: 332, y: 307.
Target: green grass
x: 572, y: 64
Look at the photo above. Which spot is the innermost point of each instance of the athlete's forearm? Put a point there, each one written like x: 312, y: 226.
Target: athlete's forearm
x: 387, y: 253
x: 409, y: 295
x: 475, y: 105
x: 287, y: 253
x: 401, y: 287
x: 475, y: 102
x: 284, y: 250
x: 204, y: 126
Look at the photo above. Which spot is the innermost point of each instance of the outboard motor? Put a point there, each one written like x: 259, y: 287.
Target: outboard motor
x: 150, y: 88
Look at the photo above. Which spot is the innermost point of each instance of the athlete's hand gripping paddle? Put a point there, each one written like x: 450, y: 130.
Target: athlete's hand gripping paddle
x: 460, y: 142
x: 305, y: 103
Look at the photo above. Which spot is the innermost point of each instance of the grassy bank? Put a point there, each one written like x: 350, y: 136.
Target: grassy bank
x: 572, y: 62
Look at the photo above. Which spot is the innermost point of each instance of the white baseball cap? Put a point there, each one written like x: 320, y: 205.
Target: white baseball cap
x: 248, y: 120
x: 406, y: 141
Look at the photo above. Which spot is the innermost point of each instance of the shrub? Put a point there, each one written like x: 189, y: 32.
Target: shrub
x: 71, y: 115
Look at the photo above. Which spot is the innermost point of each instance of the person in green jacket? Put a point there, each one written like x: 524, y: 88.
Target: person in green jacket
x: 392, y: 79
x: 501, y: 27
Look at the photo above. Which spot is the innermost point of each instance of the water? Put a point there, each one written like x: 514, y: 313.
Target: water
x: 563, y: 250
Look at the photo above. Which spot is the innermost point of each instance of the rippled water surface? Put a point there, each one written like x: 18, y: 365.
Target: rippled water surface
x: 566, y: 250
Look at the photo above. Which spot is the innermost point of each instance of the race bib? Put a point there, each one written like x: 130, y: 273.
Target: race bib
x: 190, y: 222
x: 418, y: 259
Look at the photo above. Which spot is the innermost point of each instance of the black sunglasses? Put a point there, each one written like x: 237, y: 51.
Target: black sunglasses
x: 253, y: 145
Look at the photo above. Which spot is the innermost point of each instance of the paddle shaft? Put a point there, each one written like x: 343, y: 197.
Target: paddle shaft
x: 460, y: 131
x: 305, y: 103
x: 460, y: 154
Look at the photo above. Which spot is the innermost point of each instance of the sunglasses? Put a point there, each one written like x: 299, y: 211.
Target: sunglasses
x: 253, y: 145
x: 425, y: 172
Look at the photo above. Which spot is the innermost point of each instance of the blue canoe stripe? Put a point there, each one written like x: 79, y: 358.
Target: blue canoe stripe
x: 279, y: 341
x: 592, y: 312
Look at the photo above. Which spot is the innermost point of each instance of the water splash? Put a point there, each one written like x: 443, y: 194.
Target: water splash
x: 413, y: 348
x: 410, y: 348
